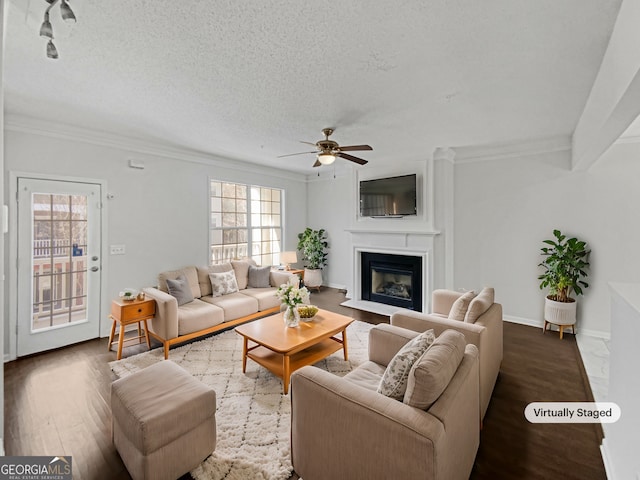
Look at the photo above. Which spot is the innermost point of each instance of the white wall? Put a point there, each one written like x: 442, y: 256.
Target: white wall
x: 159, y: 213
x: 330, y: 206
x: 504, y: 208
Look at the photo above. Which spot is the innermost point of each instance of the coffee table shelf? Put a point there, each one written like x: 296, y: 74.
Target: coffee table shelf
x: 274, y: 362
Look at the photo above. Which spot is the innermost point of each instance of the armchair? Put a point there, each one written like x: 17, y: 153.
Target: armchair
x: 482, y: 327
x: 342, y: 428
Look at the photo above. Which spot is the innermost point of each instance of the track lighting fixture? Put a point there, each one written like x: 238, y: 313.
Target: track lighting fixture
x: 46, y: 30
x: 67, y: 14
x: 52, y: 51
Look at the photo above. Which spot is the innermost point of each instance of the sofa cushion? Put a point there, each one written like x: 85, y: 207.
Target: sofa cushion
x: 180, y: 289
x: 198, y: 315
x: 189, y: 272
x: 223, y: 283
x: 203, y: 275
x: 235, y: 305
x: 461, y: 305
x: 394, y: 381
x: 480, y: 304
x: 241, y: 267
x: 258, y: 277
x: 266, y: 297
x: 367, y: 375
x: 432, y: 372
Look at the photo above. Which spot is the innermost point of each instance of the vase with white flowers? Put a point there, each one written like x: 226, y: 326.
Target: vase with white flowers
x: 291, y: 296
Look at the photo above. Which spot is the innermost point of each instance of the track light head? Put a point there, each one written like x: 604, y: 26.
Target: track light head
x: 46, y: 30
x: 52, y: 52
x: 66, y: 12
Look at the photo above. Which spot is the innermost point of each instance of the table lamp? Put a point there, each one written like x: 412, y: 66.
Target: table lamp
x: 288, y: 258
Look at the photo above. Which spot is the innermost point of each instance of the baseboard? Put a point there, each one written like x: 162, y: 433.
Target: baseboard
x: 606, y: 459
x: 336, y: 286
x: 538, y: 324
x: 7, y: 358
x: 523, y: 321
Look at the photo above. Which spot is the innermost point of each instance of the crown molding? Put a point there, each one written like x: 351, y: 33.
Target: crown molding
x: 34, y: 126
x: 483, y: 153
x: 627, y: 139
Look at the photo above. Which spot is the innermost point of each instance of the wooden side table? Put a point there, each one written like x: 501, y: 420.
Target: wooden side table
x: 126, y: 313
x: 296, y: 271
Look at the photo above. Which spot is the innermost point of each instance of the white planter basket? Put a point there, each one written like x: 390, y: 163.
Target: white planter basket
x: 561, y: 314
x: 313, y: 278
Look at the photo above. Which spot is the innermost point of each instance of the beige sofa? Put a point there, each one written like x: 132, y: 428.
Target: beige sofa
x: 206, y: 314
x: 343, y: 428
x: 482, y: 327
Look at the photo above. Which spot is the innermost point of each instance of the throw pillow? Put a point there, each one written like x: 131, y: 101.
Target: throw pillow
x: 180, y: 289
x: 259, y: 277
x: 460, y: 306
x: 431, y: 373
x: 241, y: 269
x: 223, y: 283
x: 203, y: 275
x: 394, y: 379
x: 480, y: 304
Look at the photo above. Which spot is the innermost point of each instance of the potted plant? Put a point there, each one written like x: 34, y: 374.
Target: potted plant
x: 312, y: 244
x: 565, y: 262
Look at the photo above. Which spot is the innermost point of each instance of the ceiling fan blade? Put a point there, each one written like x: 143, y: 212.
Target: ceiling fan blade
x: 317, y: 164
x: 308, y: 143
x: 351, y: 158
x: 353, y: 148
x: 292, y: 154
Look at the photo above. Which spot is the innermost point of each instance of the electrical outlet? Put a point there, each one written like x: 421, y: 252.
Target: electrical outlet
x: 117, y: 250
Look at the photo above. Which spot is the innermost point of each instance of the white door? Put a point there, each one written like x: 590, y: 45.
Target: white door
x: 59, y: 264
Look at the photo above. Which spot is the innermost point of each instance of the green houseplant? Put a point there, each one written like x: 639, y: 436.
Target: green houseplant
x: 565, y: 263
x: 313, y: 244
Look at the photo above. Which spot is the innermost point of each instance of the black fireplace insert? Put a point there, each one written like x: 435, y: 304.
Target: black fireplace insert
x: 392, y: 279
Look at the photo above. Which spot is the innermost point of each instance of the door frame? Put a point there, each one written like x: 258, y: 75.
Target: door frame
x: 12, y: 299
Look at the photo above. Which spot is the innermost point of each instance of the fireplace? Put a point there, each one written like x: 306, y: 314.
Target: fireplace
x: 392, y: 279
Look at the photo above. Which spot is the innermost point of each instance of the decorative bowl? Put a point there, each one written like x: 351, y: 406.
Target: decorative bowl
x: 128, y: 295
x: 307, y: 312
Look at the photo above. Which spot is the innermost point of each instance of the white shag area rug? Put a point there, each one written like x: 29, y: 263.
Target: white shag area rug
x: 253, y: 416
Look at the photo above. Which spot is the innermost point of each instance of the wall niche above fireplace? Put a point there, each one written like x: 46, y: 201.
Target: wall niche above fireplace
x: 392, y: 279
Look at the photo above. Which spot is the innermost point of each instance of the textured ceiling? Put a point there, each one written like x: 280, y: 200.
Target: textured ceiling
x: 248, y: 80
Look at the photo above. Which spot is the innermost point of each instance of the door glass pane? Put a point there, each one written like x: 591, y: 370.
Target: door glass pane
x: 61, y: 207
x: 59, y: 260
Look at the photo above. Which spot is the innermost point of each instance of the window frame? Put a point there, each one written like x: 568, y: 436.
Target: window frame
x: 253, y: 232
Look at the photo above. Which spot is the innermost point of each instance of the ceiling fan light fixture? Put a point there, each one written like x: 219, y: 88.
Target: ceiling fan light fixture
x: 66, y: 12
x: 326, y: 158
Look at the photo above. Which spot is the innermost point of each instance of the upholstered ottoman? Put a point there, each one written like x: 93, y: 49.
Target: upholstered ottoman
x: 163, y: 421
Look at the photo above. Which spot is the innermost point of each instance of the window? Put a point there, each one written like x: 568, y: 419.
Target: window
x: 246, y: 221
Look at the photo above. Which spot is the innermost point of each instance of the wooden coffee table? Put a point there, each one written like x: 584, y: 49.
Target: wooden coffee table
x: 283, y: 350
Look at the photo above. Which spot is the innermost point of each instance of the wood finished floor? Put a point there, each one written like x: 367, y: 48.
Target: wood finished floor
x: 57, y: 403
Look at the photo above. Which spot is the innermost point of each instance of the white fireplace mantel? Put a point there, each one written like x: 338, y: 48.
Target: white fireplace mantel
x: 413, y: 243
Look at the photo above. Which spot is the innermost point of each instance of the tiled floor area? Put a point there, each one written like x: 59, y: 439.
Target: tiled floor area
x: 595, y: 357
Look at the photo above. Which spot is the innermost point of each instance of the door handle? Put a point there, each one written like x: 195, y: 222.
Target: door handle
x: 94, y: 269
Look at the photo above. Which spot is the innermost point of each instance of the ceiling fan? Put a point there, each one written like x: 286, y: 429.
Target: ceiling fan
x: 327, y: 151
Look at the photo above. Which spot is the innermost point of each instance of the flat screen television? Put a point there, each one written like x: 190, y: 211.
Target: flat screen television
x: 388, y: 197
